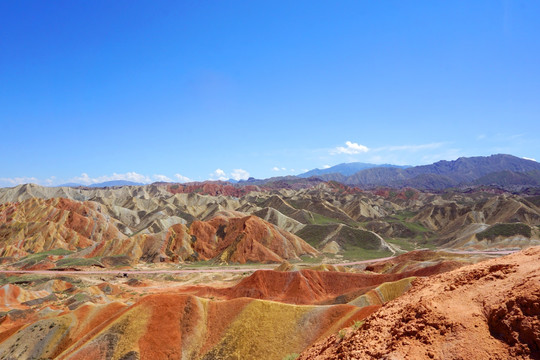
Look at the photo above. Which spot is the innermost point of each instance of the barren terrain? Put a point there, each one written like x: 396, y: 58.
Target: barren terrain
x: 214, y: 271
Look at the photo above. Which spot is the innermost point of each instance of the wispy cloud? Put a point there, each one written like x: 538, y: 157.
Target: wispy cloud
x: 236, y: 174
x: 350, y: 148
x: 277, y: 169
x: 85, y: 179
x: 18, y: 180
x: 182, y: 178
x: 162, y: 178
x: 239, y: 174
x: 410, y: 148
x: 219, y: 174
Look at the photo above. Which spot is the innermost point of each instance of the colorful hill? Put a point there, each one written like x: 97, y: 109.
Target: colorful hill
x: 153, y: 224
x: 266, y: 315
x: 488, y: 310
x: 57, y: 230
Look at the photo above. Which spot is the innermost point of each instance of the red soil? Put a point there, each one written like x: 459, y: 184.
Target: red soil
x: 246, y: 239
x: 213, y: 188
x: 489, y: 310
x: 183, y: 326
x: 175, y: 319
x: 53, y: 223
x: 402, y: 194
x: 307, y: 286
x: 415, y: 261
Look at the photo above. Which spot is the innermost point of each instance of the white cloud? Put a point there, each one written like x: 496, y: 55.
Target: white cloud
x: 351, y: 148
x: 326, y: 166
x: 86, y: 179
x: 129, y: 176
x: 236, y: 174
x: 182, y: 178
x: 219, y: 174
x: 275, y: 168
x: 481, y: 137
x: 18, y: 180
x: 239, y: 174
x: 50, y: 181
x: 526, y: 158
x: 162, y: 178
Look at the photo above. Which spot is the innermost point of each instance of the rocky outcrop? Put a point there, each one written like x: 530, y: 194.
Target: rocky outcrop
x: 487, y: 310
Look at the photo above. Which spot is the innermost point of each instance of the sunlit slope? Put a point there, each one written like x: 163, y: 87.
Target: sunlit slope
x: 88, y: 230
x: 487, y: 310
x: 180, y: 326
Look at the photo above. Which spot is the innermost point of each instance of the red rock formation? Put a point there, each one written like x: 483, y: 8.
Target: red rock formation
x: 246, y: 239
x: 213, y: 188
x: 310, y: 286
x: 489, y: 310
x: 37, y: 225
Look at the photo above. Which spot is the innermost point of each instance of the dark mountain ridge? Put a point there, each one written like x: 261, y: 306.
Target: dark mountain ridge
x: 348, y: 169
x: 444, y: 174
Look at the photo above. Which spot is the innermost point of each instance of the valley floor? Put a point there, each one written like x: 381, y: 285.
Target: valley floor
x: 224, y: 312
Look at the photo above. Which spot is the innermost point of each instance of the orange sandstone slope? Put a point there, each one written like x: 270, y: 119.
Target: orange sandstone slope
x: 309, y: 286
x: 88, y: 230
x: 302, y: 287
x: 490, y: 310
x: 37, y: 225
x: 246, y: 239
x: 174, y: 326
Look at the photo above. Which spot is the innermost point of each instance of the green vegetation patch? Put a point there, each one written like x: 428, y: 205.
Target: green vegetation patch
x: 403, y: 218
x: 349, y: 236
x: 75, y: 262
x: 314, y: 234
x: 310, y: 259
x: 404, y: 244
x: 292, y: 356
x: 506, y: 230
x: 319, y: 219
x: 416, y: 227
x: 33, y: 259
x: 358, y: 253
x: 21, y: 279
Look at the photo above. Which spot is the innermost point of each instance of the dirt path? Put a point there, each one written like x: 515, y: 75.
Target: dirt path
x: 216, y: 269
x: 483, y: 252
x: 164, y: 271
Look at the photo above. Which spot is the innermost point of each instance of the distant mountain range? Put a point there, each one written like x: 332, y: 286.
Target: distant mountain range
x: 500, y: 170
x: 348, y: 169
x: 504, y: 171
x: 105, y: 184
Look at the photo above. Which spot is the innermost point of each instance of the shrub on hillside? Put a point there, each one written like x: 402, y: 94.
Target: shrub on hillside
x: 503, y: 229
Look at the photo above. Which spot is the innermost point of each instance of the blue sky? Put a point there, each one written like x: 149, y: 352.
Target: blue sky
x: 175, y: 90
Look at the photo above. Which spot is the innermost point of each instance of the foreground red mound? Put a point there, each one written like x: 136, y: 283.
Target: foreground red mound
x: 490, y: 310
x: 310, y: 286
